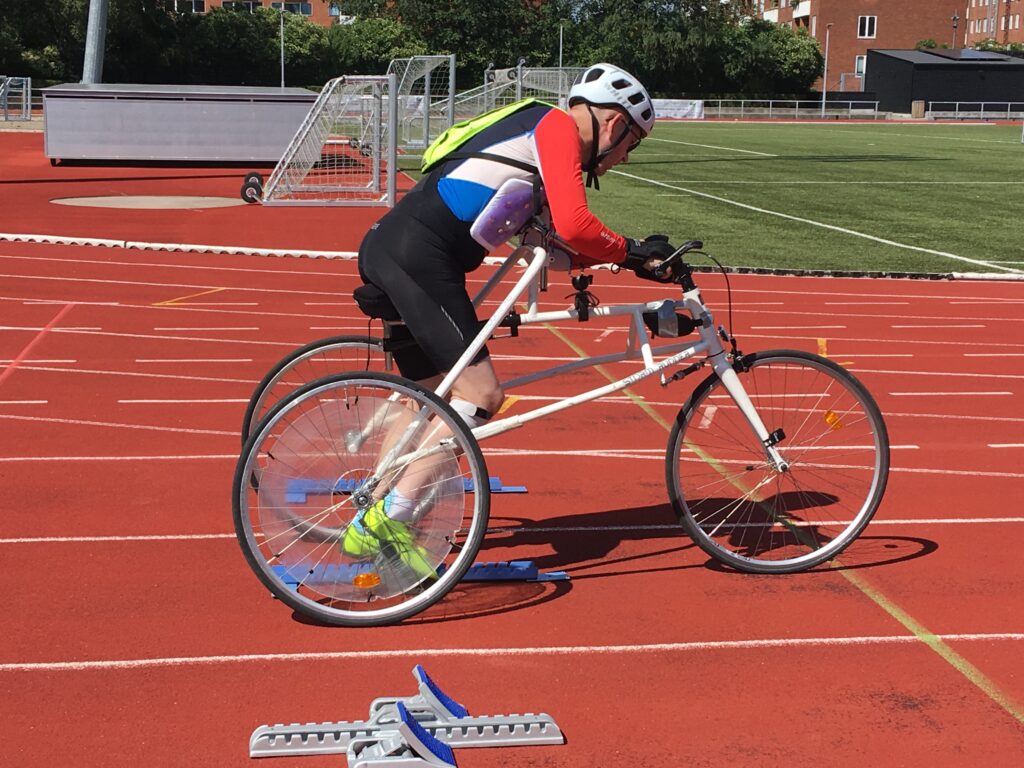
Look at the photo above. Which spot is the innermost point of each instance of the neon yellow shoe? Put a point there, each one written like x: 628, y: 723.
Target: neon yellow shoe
x: 373, y: 533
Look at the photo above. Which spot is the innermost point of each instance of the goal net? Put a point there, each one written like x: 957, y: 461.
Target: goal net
x: 345, y: 152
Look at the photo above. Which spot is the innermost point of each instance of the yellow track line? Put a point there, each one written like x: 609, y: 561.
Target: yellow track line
x: 922, y: 633
x: 172, y: 302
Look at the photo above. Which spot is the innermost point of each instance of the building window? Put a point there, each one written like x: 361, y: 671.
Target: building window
x: 866, y: 26
x: 859, y: 63
x: 190, y: 6
x: 303, y: 9
x: 242, y: 5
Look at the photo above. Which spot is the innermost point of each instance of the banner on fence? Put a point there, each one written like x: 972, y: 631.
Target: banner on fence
x: 679, y: 109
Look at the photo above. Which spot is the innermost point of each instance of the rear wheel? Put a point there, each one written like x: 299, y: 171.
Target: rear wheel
x: 750, y: 515
x: 313, y: 512
x: 336, y: 354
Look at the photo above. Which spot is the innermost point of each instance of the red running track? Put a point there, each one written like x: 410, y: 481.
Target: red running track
x: 137, y: 635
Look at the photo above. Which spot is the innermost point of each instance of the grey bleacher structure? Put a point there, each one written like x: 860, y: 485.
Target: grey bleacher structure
x: 171, y: 122
x: 418, y: 731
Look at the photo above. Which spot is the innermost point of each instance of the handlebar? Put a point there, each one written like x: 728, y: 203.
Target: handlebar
x: 690, y: 245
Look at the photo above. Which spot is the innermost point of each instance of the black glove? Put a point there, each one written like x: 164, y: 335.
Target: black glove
x: 639, y: 252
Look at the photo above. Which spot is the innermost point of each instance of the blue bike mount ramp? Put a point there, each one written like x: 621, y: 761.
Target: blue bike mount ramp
x: 419, y: 731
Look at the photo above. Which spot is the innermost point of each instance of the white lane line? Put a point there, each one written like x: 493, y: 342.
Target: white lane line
x: 526, y: 530
x: 175, y: 377
x: 83, y: 422
x: 37, y: 362
x: 949, y: 394
x: 975, y: 325
x: 712, y: 146
x: 867, y: 303
x: 63, y: 459
x: 796, y: 327
x: 190, y: 267
x: 24, y: 402
x: 194, y: 360
x: 186, y: 402
x: 871, y: 354
x: 501, y: 652
x: 206, y: 328
x: 1006, y: 445
x: 993, y: 354
x: 186, y: 286
x: 822, y: 225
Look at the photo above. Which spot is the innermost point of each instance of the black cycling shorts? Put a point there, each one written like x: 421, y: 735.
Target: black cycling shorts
x: 419, y: 254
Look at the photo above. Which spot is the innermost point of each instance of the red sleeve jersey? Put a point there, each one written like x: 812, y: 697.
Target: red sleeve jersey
x: 558, y: 157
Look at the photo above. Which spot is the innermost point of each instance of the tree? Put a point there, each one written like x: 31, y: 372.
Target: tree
x: 766, y: 58
x: 367, y: 45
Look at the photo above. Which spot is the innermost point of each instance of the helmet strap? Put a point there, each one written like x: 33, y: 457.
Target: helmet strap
x: 595, y: 157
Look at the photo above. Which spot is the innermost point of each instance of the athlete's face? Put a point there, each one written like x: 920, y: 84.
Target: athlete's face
x: 620, y: 134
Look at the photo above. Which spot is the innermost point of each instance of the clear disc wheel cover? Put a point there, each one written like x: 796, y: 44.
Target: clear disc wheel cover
x: 310, y: 473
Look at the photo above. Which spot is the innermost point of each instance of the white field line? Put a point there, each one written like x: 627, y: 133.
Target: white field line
x: 1006, y: 445
x: 924, y: 135
x: 185, y: 402
x: 498, y: 652
x: 712, y: 146
x: 823, y: 225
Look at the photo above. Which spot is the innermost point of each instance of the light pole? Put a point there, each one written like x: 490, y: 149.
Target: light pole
x: 955, y: 20
x: 282, y: 45
x: 824, y: 77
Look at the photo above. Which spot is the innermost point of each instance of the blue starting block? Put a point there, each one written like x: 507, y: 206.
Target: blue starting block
x: 504, y: 570
x: 300, y: 488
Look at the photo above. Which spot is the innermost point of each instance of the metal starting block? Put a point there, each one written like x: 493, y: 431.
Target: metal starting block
x: 300, y: 488
x: 413, y: 732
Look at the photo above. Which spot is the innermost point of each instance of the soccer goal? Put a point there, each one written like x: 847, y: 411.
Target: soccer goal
x: 425, y: 95
x: 345, y: 151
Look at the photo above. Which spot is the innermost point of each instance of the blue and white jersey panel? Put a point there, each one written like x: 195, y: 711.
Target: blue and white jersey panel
x: 470, y: 184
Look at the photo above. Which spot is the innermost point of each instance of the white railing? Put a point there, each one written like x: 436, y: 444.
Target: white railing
x: 791, y: 109
x: 15, y: 98
x: 976, y: 110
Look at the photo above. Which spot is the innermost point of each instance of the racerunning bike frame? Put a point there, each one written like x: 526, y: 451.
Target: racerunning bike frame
x: 638, y: 345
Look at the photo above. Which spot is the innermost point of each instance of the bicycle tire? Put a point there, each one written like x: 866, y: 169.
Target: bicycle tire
x: 334, y: 354
x: 753, y: 517
x: 299, y: 547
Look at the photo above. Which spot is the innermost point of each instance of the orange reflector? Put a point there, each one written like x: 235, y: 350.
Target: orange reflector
x: 366, y: 580
x: 832, y: 419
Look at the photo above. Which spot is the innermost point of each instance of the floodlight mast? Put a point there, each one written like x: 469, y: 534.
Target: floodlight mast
x: 95, y: 42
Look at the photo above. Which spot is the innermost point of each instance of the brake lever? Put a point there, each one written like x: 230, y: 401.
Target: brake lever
x: 690, y: 245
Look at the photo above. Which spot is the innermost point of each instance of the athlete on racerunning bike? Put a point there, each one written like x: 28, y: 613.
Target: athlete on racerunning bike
x: 419, y: 253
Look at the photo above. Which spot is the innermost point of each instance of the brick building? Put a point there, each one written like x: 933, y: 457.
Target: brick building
x: 854, y: 26
x: 317, y: 11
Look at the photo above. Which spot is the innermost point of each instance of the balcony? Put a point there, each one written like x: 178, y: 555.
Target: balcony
x: 802, y: 9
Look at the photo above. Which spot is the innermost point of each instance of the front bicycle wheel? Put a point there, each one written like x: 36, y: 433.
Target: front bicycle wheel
x: 750, y: 515
x: 314, y: 507
x: 335, y: 354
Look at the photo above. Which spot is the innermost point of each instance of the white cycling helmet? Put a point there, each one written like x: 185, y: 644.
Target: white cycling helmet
x: 605, y: 85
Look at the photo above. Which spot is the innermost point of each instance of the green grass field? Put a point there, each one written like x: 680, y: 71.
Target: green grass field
x: 777, y: 195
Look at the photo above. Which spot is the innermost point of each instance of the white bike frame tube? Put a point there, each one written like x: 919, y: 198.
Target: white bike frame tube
x: 537, y: 262
x: 499, y: 274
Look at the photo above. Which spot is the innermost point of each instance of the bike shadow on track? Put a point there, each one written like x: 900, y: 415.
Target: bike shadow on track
x: 588, y: 540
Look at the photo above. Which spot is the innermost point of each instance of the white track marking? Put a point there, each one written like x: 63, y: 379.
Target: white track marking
x: 832, y: 227
x: 936, y: 327
x: 86, y: 423
x: 707, y: 417
x: 173, y: 376
x: 190, y: 267
x: 948, y: 394
x: 176, y: 286
x: 1006, y: 445
x: 36, y: 362
x: 993, y: 354
x: 24, y: 402
x: 155, y: 336
x: 797, y: 327
x: 866, y: 303
x: 204, y: 328
x: 194, y: 360
x: 186, y: 402
x: 525, y: 530
x: 63, y: 459
x: 499, y: 652
x: 712, y: 146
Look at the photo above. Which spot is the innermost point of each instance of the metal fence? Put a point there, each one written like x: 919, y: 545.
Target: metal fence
x: 976, y: 110
x: 791, y: 109
x: 16, y: 98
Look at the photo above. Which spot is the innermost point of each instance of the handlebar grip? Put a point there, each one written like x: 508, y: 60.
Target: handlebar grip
x: 689, y: 245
